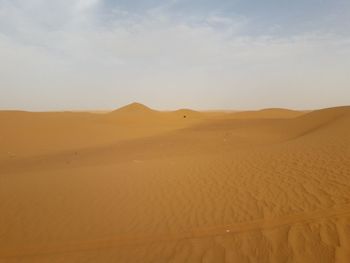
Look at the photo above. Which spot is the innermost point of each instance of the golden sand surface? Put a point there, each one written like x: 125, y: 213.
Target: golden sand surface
x: 139, y: 185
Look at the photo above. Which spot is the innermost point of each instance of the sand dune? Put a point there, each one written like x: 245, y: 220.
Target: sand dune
x: 27, y: 133
x: 141, y: 115
x: 140, y: 185
x: 133, y: 108
x: 273, y: 113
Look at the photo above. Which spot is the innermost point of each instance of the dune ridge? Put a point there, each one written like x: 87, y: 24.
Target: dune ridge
x: 134, y: 107
x: 271, y: 113
x: 139, y: 185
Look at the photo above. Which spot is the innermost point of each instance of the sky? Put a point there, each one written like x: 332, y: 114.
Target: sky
x: 200, y: 54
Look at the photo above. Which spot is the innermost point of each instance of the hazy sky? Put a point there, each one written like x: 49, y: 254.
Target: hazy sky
x: 237, y: 54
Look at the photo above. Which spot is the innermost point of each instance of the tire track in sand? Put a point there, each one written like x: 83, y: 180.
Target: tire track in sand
x: 202, y: 232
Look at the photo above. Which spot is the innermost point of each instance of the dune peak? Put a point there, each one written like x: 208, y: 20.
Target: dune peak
x: 134, y: 107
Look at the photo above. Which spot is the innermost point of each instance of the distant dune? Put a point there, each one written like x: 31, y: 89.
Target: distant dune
x: 141, y: 185
x: 274, y: 113
x: 134, y: 108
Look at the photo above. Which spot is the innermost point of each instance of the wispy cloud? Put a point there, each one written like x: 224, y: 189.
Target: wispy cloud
x: 81, y: 54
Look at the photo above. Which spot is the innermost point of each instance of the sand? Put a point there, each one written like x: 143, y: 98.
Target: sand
x: 139, y: 185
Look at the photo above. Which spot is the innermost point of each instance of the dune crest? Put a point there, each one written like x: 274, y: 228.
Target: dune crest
x: 134, y: 107
x: 271, y: 113
x: 140, y: 185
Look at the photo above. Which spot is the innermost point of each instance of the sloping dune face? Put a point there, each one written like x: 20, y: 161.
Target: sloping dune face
x: 138, y: 185
x: 273, y: 113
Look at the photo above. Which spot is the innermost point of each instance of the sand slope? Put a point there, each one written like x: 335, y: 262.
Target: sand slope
x: 24, y: 134
x: 138, y: 185
x: 273, y: 113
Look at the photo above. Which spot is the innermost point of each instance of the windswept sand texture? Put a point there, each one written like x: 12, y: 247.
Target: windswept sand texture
x: 138, y: 185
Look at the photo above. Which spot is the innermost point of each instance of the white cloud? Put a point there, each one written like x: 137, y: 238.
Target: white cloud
x: 52, y: 52
x: 86, y: 4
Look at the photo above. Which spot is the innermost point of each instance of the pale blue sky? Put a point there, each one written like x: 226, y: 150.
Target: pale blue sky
x: 238, y: 54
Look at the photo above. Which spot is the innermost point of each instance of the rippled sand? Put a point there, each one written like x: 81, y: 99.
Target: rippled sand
x: 138, y: 185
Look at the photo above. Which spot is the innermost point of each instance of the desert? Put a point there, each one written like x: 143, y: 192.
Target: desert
x: 141, y: 185
x: 174, y: 131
